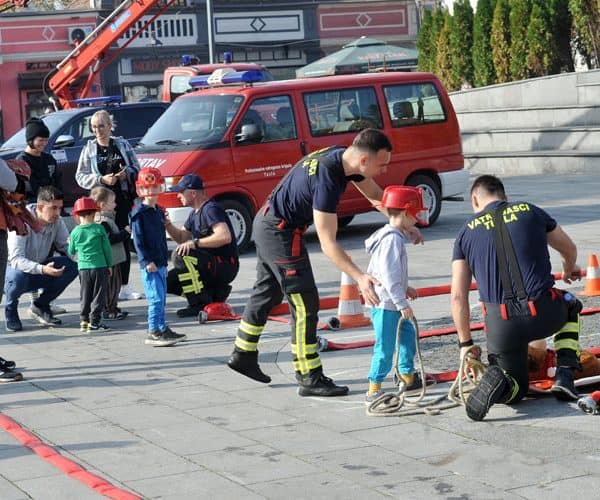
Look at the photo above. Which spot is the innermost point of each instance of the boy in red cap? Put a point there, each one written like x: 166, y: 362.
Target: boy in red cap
x: 94, y: 259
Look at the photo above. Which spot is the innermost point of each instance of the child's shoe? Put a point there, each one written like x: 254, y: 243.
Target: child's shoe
x: 83, y: 326
x: 369, y: 398
x: 169, y: 334
x: 156, y: 339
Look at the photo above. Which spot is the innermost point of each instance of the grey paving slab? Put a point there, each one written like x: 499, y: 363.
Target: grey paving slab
x: 316, y: 486
x: 178, y: 423
x: 254, y: 464
x: 9, y: 491
x: 196, y: 484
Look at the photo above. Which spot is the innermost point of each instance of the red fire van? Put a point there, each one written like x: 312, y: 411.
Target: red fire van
x: 241, y: 138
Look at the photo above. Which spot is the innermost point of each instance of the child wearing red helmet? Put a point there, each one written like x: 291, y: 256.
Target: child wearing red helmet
x: 94, y: 259
x: 147, y: 221
x: 388, y: 265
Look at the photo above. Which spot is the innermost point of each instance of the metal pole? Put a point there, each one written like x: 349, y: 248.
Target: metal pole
x: 211, y: 39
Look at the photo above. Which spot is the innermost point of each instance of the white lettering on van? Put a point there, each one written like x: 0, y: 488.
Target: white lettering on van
x: 151, y: 162
x: 268, y: 171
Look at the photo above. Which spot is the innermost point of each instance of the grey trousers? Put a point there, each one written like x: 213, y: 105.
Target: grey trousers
x: 94, y: 285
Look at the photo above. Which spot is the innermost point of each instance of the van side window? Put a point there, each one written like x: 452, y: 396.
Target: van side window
x: 339, y: 111
x: 274, y: 117
x: 413, y: 104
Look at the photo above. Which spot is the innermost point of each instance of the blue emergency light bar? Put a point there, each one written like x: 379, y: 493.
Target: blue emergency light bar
x: 249, y: 76
x: 98, y: 100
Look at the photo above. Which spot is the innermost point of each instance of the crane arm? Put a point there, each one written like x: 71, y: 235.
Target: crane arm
x: 90, y: 55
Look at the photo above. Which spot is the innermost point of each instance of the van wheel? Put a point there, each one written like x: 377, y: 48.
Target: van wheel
x: 432, y: 196
x: 344, y: 221
x: 241, y: 221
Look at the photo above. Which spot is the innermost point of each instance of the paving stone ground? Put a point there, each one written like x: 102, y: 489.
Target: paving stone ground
x: 176, y: 423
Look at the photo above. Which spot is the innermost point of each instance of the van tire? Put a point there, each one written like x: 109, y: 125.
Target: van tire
x: 431, y: 194
x: 344, y: 221
x: 241, y: 220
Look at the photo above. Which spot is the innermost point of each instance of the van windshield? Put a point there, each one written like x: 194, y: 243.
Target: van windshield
x: 200, y: 120
x: 53, y: 121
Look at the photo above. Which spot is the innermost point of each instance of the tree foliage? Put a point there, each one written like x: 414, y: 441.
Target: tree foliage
x: 443, y: 57
x: 519, y: 22
x: 500, y: 41
x: 586, y: 29
x: 437, y: 23
x: 560, y: 23
x: 424, y: 42
x: 461, y: 40
x: 483, y: 67
x: 541, y: 47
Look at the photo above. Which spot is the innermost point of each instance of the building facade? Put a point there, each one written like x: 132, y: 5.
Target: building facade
x: 282, y: 35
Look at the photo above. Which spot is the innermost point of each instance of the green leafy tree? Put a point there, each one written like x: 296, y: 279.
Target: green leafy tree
x: 461, y: 42
x: 443, y: 58
x: 541, y: 46
x: 586, y: 29
x: 483, y: 66
x: 519, y: 21
x: 560, y: 21
x: 424, y: 43
x: 437, y: 24
x: 500, y: 41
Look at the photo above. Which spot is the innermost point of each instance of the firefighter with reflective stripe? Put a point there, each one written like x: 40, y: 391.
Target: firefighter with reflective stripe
x: 505, y: 247
x: 310, y: 192
x: 206, y: 259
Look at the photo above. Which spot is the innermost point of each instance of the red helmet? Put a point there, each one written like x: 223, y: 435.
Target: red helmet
x: 84, y: 204
x: 149, y: 182
x: 219, y: 310
x: 406, y: 198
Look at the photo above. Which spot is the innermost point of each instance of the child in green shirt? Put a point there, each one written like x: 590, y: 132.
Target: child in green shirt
x: 94, y: 259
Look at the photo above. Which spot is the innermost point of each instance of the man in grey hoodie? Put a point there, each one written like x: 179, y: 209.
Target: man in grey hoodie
x: 32, y: 265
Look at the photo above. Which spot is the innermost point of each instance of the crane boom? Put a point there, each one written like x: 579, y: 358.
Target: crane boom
x: 91, y: 54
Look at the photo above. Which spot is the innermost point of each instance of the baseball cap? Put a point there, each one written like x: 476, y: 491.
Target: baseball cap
x: 189, y: 181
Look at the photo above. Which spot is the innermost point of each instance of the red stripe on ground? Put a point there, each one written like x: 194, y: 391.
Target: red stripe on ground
x: 64, y: 464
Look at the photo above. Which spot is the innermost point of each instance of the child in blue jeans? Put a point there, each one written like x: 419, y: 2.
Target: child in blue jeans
x: 388, y: 265
x: 147, y: 221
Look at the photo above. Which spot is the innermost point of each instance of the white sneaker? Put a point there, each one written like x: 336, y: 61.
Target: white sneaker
x: 127, y: 293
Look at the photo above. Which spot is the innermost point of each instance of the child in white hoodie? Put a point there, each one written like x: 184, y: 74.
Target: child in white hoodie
x: 389, y: 265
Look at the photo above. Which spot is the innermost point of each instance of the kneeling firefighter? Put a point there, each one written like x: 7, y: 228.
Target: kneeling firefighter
x: 206, y: 259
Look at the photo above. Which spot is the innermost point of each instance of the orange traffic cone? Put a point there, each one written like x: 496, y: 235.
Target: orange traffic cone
x: 350, y: 309
x: 592, y: 279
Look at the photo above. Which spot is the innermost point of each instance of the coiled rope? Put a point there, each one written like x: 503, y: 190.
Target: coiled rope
x: 400, y: 404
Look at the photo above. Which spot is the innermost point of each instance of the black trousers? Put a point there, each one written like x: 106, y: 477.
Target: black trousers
x: 94, y: 285
x: 201, y: 277
x: 282, y: 269
x: 507, y: 339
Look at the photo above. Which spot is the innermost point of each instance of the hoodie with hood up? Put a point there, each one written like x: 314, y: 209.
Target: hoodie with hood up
x: 389, y: 265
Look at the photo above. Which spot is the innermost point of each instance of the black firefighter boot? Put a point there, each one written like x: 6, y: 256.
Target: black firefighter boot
x: 317, y: 384
x: 246, y: 363
x: 494, y: 387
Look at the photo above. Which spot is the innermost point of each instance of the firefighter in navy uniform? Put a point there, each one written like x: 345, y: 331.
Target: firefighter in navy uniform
x: 505, y: 247
x: 310, y: 192
x: 206, y: 259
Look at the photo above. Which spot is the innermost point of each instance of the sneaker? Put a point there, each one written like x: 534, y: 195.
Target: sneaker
x: 369, y: 398
x: 246, y: 363
x: 492, y: 387
x: 57, y: 310
x: 119, y: 315
x: 13, y: 323
x: 10, y: 376
x: 169, y: 334
x: 564, y: 385
x: 44, y: 317
x: 156, y: 339
x: 127, y: 293
x: 417, y: 383
x: 7, y: 365
x: 189, y: 311
x: 83, y: 326
x: 97, y: 327
x: 310, y: 385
